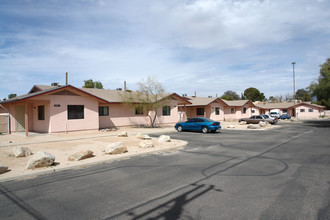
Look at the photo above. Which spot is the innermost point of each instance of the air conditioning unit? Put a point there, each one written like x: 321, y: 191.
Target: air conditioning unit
x: 54, y: 84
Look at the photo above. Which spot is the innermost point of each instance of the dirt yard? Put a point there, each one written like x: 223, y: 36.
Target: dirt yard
x: 63, y: 145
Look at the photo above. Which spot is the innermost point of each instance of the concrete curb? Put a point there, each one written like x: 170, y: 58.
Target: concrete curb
x: 85, y: 165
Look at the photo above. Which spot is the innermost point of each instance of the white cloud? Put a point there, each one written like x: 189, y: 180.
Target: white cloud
x: 204, y: 45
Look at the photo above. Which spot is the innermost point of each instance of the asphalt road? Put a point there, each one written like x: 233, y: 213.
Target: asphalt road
x: 276, y: 174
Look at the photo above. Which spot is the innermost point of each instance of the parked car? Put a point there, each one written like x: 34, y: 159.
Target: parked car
x: 255, y: 119
x: 198, y: 124
x: 269, y: 117
x: 285, y: 116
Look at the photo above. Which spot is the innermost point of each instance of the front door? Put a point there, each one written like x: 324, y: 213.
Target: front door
x: 20, y: 118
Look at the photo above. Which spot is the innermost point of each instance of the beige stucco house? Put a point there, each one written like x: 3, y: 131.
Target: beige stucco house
x: 50, y: 109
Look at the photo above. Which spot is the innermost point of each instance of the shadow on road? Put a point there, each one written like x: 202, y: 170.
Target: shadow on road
x: 318, y: 124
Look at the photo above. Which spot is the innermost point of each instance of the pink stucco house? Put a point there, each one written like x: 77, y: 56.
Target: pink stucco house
x: 221, y: 110
x: 216, y: 108
x: 298, y: 109
x: 50, y: 109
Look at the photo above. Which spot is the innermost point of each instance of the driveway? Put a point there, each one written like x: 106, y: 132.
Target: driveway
x: 276, y: 174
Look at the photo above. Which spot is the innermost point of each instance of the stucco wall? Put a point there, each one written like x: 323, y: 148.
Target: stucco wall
x: 307, y: 114
x: 121, y: 115
x: 59, y: 121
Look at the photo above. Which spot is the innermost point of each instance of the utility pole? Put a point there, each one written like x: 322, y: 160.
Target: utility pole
x: 294, y: 91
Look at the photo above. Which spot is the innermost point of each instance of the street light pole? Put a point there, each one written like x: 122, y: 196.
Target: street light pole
x: 294, y: 91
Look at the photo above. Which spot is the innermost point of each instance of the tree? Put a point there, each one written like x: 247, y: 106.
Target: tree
x: 230, y: 95
x: 273, y: 99
x: 91, y: 84
x: 303, y: 95
x: 149, y: 98
x: 12, y: 95
x: 254, y: 94
x: 321, y: 89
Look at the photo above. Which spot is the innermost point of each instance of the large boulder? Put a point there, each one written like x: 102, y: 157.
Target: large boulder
x: 116, y: 148
x: 164, y: 138
x: 122, y: 134
x: 263, y: 124
x: 146, y: 144
x: 253, y: 126
x: 3, y: 168
x: 40, y: 159
x: 21, y: 151
x: 143, y: 136
x: 81, y: 155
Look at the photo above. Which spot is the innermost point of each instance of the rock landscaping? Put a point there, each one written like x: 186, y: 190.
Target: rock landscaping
x: 146, y: 144
x: 40, y: 159
x: 164, y: 138
x: 21, y: 152
x: 3, y: 168
x: 73, y: 150
x: 81, y: 155
x: 116, y: 148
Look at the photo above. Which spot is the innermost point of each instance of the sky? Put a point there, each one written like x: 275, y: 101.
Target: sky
x: 202, y: 46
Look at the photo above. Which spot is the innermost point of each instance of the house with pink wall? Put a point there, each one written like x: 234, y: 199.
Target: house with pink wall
x: 216, y: 108
x: 49, y: 109
x: 298, y: 109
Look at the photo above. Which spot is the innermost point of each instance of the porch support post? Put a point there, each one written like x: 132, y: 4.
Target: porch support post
x: 26, y: 119
x: 185, y: 112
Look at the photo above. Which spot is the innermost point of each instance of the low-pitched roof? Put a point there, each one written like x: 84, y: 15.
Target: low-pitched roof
x: 199, y: 101
x: 236, y: 103
x: 204, y: 101
x: 285, y: 105
x: 105, y: 95
x: 45, y: 91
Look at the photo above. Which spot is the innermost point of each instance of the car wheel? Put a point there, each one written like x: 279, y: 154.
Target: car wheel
x: 205, y: 130
x: 180, y: 128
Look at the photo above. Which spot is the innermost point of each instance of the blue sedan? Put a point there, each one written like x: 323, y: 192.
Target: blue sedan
x: 285, y: 116
x: 198, y: 124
